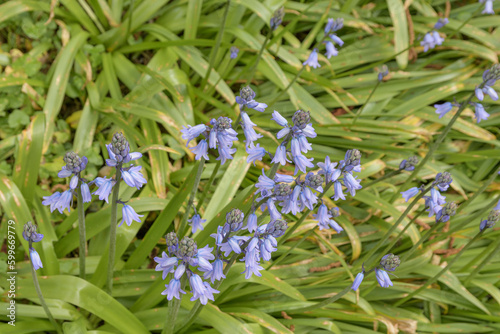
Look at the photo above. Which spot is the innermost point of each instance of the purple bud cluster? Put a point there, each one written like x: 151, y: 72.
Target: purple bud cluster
x: 182, y: 259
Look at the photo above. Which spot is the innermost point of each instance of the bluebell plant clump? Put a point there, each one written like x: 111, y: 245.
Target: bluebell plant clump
x: 30, y: 234
x: 490, y: 76
x: 432, y: 38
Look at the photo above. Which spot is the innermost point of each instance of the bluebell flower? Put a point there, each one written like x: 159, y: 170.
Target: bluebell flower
x: 307, y: 198
x: 173, y: 288
x: 441, y: 23
x: 488, y: 7
x: 74, y: 165
x: 273, y: 212
x: 199, y: 289
x: 337, y: 39
x: 390, y: 262
x: 252, y: 266
x: 65, y: 201
x: 255, y: 153
x: 119, y: 151
x: 338, y: 191
x: 191, y: 132
x: 234, y: 52
x: 446, y: 212
x: 252, y: 222
x: 479, y: 93
x: 351, y: 162
x: 357, y: 281
x: 490, y: 92
x: 265, y: 185
x: 52, y: 200
x: 331, y: 50
x: 283, y: 178
x: 291, y: 204
x: 30, y: 234
x: 333, y: 25
x: 383, y: 73
x: 443, y: 109
x: 73, y: 183
x: 323, y: 217
x: 328, y: 170
x: 280, y: 156
x: 222, y: 137
x: 351, y: 183
x: 383, y: 278
x: 197, y: 223
x: 248, y: 129
x: 129, y: 215
x: 431, y: 206
x: 133, y: 177
x: 437, y: 197
x: 276, y: 116
x: 35, y: 259
x: 431, y: 39
x: 104, y: 187
x: 410, y: 193
x: 200, y: 150
x: 302, y: 163
x: 217, y: 272
x: 246, y: 99
x: 165, y: 264
x: 409, y: 165
x: 312, y: 60
x: 84, y: 188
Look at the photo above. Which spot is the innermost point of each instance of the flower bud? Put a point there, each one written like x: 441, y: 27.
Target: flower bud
x: 187, y: 248
x: 247, y: 93
x: 335, y: 212
x: 390, y: 262
x: 276, y: 228
x: 223, y: 123
x: 491, y: 75
x: 172, y: 241
x: 493, y: 218
x: 314, y: 180
x: 73, y: 162
x: 277, y: 18
x: 449, y: 210
x: 353, y: 157
x: 120, y: 146
x: 234, y: 220
x: 301, y: 118
x: 443, y: 181
x: 383, y: 72
x: 29, y: 233
x: 281, y: 191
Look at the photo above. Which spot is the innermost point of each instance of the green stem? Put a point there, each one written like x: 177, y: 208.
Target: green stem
x: 173, y: 309
x: 433, y: 148
x: 183, y: 225
x: 81, y: 230
x: 368, y: 256
x: 364, y: 105
x: 259, y: 56
x: 208, y: 185
x: 42, y: 300
x: 385, y: 177
x: 215, y: 50
x: 436, y: 277
x: 481, y: 265
x: 422, y: 239
x: 112, y: 229
x: 388, y: 248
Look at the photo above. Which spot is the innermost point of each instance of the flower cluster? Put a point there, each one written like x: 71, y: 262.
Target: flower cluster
x: 297, y: 134
x: 221, y: 136
x: 277, y: 18
x: 432, y: 38
x: 233, y: 52
x: 490, y: 76
x: 331, y: 27
x: 74, y: 166
x: 409, y: 165
x: 492, y: 219
x: 435, y: 203
x: 179, y: 258
x: 388, y: 263
x: 30, y: 235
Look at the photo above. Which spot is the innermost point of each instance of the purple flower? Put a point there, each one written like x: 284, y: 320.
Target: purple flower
x: 328, y: 169
x: 201, y: 150
x: 84, y: 188
x: 52, y: 200
x: 488, y: 7
x: 331, y: 50
x: 490, y: 92
x: 199, y: 290
x: 280, y: 156
x: 234, y: 52
x: 272, y: 210
x: 255, y: 153
x: 197, y: 223
x: 351, y: 183
x: 410, y: 193
x: 357, y: 281
x: 302, y: 163
x: 104, y: 187
x: 333, y: 25
x: 166, y: 264
x: 129, y: 215
x: 248, y: 130
x: 291, y: 204
x: 276, y: 116
x: 323, y: 217
x: 65, y: 201
x: 172, y: 289
x: 441, y: 23
x: 443, y: 109
x: 123, y: 157
x: 246, y: 99
x: 252, y: 222
x: 313, y: 59
x: 74, y: 182
x: 217, y: 272
x: 191, y: 132
x: 337, y: 39
x: 133, y: 177
x: 283, y: 178
x: 383, y: 278
x: 35, y: 259
x: 338, y: 192
x: 481, y: 114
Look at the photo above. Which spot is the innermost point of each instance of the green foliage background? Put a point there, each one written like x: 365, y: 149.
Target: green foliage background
x: 73, y: 72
